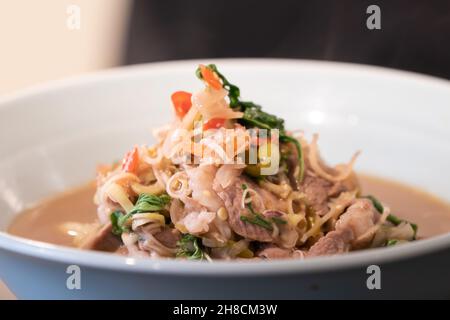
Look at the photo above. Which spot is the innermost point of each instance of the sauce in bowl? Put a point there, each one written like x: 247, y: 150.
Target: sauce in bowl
x: 44, y: 221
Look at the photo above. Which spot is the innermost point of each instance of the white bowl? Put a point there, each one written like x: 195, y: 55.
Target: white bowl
x: 53, y: 136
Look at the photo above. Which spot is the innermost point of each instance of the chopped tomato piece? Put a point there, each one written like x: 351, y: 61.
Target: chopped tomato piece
x: 181, y: 102
x: 210, y: 77
x: 130, y: 162
x: 213, y: 124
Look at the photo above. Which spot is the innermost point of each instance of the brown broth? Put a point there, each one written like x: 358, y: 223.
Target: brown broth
x: 43, y: 222
x: 430, y: 213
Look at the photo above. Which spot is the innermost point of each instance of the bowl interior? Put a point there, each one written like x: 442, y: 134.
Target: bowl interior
x: 53, y: 137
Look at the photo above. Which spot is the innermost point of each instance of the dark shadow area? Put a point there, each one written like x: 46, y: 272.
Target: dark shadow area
x: 414, y: 35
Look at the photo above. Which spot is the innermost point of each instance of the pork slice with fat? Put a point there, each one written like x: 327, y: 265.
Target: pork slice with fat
x: 232, y: 198
x: 359, y: 218
x: 102, y: 240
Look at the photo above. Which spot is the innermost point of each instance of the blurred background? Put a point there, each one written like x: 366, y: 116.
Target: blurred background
x: 49, y: 39
x: 52, y: 39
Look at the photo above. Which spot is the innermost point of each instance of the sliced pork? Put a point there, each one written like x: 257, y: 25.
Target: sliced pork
x: 359, y: 218
x: 232, y: 198
x: 102, y: 240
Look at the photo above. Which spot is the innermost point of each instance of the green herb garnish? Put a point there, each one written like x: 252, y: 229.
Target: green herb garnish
x: 257, y: 221
x: 256, y: 218
x: 391, y: 218
x: 145, y: 203
x: 233, y: 91
x: 117, y: 225
x: 190, y: 248
x: 279, y: 220
x: 301, y: 161
x: 391, y: 242
x: 250, y: 208
x: 254, y: 116
x: 415, y: 228
x: 377, y: 204
x: 150, y: 203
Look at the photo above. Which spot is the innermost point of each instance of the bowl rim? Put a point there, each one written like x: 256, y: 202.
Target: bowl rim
x: 108, y: 261
x: 61, y: 254
x: 143, y: 68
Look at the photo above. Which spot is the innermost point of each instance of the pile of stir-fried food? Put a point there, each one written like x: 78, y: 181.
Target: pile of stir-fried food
x: 195, y: 194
